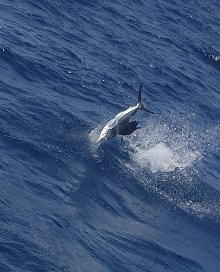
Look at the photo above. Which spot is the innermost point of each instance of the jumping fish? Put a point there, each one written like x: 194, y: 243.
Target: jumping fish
x: 120, y: 123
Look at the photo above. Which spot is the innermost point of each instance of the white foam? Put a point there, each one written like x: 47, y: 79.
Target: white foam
x: 164, y: 159
x: 158, y: 158
x: 162, y: 150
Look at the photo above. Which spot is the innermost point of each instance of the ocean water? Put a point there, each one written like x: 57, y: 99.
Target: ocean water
x: 148, y: 203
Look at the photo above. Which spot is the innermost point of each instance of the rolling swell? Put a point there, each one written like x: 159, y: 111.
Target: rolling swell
x: 155, y: 255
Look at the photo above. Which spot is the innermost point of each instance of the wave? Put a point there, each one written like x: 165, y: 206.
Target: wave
x: 167, y: 158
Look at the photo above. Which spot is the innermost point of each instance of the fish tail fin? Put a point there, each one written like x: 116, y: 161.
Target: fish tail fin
x: 140, y: 106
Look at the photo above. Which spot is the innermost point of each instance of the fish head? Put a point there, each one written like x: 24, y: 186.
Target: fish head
x: 106, y: 134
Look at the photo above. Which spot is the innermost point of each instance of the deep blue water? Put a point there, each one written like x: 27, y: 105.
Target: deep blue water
x: 149, y: 203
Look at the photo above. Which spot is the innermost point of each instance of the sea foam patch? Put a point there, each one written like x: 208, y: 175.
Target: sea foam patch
x: 162, y: 149
x: 157, y: 158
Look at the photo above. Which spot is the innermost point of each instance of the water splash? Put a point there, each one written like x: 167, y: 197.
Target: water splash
x: 94, y: 134
x: 94, y: 146
x: 162, y: 158
x: 164, y: 148
x: 168, y: 159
